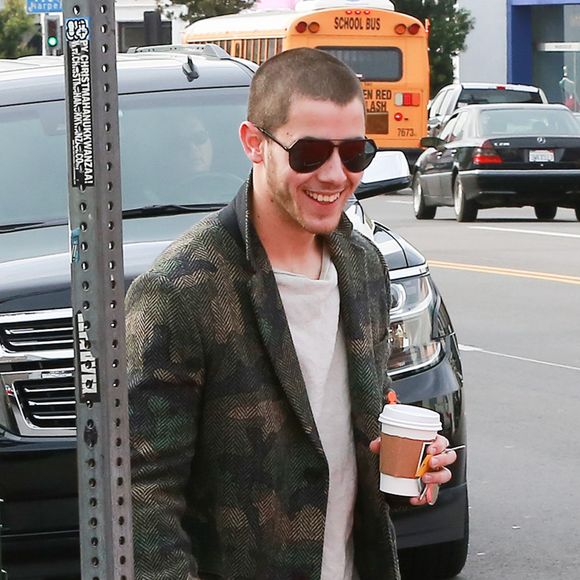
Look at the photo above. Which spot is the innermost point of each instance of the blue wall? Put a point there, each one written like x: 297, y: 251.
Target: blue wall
x: 519, y: 37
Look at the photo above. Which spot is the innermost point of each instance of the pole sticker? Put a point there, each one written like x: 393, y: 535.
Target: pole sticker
x: 86, y: 364
x: 77, y: 34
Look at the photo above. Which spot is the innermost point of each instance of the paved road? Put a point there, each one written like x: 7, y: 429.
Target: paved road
x: 512, y: 286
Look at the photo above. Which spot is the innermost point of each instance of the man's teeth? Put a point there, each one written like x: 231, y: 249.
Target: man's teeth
x: 323, y: 198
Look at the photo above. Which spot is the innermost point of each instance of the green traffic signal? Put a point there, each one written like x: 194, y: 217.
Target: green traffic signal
x: 52, y: 31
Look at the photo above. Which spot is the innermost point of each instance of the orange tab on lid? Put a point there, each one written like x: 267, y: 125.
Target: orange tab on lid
x: 392, y: 398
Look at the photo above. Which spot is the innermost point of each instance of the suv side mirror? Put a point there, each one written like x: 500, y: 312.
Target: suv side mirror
x: 389, y: 171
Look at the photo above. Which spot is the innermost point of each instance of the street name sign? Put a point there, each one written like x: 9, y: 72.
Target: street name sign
x: 35, y: 7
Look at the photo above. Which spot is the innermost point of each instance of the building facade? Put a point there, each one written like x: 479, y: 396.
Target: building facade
x: 525, y: 41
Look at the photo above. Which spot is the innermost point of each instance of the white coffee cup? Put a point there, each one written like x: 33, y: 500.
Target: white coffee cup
x: 406, y: 433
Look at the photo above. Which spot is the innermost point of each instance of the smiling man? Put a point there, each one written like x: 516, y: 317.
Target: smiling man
x: 258, y: 346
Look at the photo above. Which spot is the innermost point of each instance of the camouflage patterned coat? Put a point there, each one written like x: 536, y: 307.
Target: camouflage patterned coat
x: 229, y: 477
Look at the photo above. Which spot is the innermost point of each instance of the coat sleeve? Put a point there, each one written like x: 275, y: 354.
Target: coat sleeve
x: 166, y: 376
x: 382, y: 294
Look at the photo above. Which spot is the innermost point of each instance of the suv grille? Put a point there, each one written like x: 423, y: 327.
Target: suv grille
x: 37, y: 371
x: 47, y: 402
x: 35, y: 334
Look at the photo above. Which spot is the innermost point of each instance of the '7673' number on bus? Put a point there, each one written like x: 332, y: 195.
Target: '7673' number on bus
x: 405, y: 132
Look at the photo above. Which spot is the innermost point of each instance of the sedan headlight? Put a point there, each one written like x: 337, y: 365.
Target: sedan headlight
x: 413, y: 343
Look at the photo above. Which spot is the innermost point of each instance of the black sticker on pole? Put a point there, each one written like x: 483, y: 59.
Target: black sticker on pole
x: 77, y: 34
x: 86, y: 365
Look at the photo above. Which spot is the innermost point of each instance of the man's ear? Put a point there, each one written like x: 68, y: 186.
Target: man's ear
x: 252, y: 142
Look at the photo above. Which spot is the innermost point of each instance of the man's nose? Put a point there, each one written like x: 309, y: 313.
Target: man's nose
x: 333, y: 169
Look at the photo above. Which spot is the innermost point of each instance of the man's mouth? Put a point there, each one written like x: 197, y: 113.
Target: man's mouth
x: 323, y: 197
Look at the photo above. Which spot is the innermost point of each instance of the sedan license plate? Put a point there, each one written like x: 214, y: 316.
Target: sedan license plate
x: 541, y: 156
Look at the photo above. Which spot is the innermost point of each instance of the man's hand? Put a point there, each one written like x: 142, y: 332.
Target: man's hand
x: 438, y: 472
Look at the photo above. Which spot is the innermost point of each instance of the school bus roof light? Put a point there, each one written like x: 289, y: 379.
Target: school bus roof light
x: 401, y: 28
x: 313, y: 27
x: 414, y: 28
x: 301, y: 26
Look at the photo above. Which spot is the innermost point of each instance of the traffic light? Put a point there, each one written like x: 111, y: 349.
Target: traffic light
x: 53, y: 33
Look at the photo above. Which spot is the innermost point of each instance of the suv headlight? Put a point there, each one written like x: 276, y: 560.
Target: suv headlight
x: 414, y: 345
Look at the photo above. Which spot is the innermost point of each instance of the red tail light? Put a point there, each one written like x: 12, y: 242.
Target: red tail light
x: 486, y: 155
x: 414, y: 28
x: 301, y: 26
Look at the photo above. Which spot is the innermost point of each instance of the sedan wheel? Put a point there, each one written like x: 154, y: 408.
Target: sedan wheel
x: 422, y: 211
x: 577, y: 211
x: 546, y: 211
x: 465, y: 210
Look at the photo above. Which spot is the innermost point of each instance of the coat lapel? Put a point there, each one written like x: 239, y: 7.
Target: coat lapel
x: 349, y: 260
x: 275, y: 333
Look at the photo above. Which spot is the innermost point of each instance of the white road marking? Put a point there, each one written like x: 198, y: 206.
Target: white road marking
x: 518, y: 231
x: 401, y: 201
x: 467, y: 348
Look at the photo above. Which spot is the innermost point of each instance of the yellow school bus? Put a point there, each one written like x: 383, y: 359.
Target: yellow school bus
x: 386, y: 49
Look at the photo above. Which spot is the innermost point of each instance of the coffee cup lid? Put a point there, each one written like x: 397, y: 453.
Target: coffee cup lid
x: 411, y: 417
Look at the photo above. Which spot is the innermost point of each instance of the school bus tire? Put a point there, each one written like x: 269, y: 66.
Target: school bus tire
x: 421, y: 209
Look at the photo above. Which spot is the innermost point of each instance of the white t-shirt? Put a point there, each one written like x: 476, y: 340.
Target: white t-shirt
x: 312, y: 308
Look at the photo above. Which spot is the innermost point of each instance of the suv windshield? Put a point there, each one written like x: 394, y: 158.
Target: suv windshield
x: 495, y: 95
x: 167, y: 153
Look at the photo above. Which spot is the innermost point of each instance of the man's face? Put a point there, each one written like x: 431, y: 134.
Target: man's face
x: 313, y: 201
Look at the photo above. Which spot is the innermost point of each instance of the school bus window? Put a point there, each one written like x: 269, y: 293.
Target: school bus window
x: 271, y: 47
x: 237, y: 49
x: 278, y: 45
x: 370, y: 63
x: 228, y: 46
x: 259, y: 51
x: 263, y: 50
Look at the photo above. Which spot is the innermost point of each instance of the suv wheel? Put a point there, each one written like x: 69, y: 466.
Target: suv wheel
x: 437, y: 561
x: 547, y: 211
x: 422, y: 211
x: 465, y: 210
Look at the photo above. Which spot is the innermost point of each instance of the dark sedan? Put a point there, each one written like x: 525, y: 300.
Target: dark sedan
x: 501, y: 156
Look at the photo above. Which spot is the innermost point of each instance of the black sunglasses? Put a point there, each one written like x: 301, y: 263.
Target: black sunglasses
x: 308, y: 154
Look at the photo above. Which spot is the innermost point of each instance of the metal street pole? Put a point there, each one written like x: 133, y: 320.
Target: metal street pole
x: 2, y: 572
x: 95, y: 218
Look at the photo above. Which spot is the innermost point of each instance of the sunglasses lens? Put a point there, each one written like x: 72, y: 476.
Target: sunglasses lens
x: 356, y: 155
x: 308, y: 155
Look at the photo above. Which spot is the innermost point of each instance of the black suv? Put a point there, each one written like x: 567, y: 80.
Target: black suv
x: 164, y: 116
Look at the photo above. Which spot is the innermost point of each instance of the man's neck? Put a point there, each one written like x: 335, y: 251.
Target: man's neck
x: 290, y: 248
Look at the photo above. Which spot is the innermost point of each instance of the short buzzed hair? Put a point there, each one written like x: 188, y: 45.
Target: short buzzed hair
x: 299, y: 72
